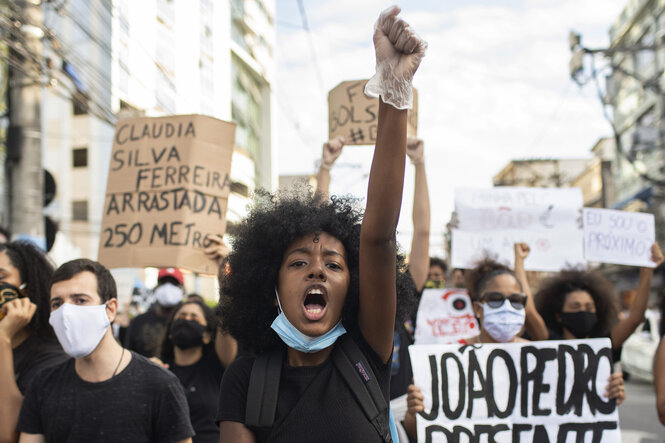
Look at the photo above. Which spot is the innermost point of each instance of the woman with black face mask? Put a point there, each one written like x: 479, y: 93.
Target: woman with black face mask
x: 197, y: 354
x: 580, y: 304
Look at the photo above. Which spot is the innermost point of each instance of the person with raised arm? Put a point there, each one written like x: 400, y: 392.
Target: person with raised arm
x: 332, y: 149
x: 578, y: 303
x: 312, y: 290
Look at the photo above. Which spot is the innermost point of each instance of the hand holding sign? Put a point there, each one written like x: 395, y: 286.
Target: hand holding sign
x: 217, y: 249
x: 415, y: 403
x: 398, y: 54
x: 615, y: 389
x: 657, y: 255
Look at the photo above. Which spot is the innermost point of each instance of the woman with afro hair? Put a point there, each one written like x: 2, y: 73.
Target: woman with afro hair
x: 580, y: 304
x: 305, y: 272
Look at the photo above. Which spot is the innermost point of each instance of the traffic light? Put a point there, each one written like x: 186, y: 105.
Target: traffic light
x: 50, y: 226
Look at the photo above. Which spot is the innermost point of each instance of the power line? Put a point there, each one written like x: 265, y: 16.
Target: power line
x: 548, y: 123
x: 617, y: 137
x: 305, y: 25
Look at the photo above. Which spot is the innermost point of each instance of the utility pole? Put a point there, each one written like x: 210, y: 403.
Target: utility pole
x: 24, y: 160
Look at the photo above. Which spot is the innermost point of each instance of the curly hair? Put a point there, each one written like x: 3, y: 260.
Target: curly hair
x: 35, y: 270
x: 436, y: 261
x: 247, y: 287
x: 166, y: 347
x: 483, y: 272
x: 553, y: 291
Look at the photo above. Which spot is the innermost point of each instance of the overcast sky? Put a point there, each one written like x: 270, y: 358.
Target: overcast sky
x: 494, y: 86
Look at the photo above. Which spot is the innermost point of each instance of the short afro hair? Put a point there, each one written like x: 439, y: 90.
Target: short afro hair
x: 436, y: 261
x: 249, y: 276
x: 553, y: 292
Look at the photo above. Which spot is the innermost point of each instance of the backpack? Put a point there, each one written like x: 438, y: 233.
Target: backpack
x: 351, y: 363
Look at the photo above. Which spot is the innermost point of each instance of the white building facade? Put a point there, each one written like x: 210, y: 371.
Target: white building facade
x: 153, y: 58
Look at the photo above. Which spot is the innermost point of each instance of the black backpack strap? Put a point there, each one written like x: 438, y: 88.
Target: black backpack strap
x: 357, y: 373
x: 263, y: 390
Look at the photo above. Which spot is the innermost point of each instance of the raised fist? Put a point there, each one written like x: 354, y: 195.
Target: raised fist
x: 331, y: 151
x: 415, y: 149
x: 398, y: 54
x: 522, y: 251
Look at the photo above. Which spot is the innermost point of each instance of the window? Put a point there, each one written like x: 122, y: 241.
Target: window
x: 80, y: 210
x: 246, y: 103
x: 240, y: 189
x: 80, y: 102
x: 80, y: 157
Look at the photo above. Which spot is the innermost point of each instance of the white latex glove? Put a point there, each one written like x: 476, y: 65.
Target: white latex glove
x: 331, y: 150
x: 398, y: 54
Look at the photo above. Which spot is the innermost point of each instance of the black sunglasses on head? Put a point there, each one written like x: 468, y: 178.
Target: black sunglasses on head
x: 496, y: 299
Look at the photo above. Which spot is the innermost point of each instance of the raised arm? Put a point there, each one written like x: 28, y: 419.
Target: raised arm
x: 419, y: 255
x: 331, y: 151
x: 622, y: 330
x: 535, y: 325
x: 398, y: 54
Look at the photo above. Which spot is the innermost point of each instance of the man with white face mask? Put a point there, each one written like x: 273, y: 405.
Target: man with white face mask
x: 104, y: 393
x: 146, y: 332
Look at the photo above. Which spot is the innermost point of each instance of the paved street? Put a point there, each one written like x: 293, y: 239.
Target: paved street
x: 638, y: 418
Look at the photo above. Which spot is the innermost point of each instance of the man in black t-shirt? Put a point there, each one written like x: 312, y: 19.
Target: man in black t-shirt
x: 104, y: 393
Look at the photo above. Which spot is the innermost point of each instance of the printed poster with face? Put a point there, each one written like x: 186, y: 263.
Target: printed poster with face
x: 445, y: 316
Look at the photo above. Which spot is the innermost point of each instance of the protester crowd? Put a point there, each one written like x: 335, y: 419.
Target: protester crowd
x: 317, y: 309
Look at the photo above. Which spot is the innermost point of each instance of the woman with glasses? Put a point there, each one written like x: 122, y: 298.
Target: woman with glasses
x: 502, y: 306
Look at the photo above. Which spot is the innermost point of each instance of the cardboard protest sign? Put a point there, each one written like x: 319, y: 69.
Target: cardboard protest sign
x: 167, y: 190
x: 354, y: 116
x: 492, y: 220
x: 445, y: 316
x: 620, y: 237
x: 550, y: 391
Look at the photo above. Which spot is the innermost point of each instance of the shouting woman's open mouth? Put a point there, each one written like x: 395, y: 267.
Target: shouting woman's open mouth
x: 315, y: 302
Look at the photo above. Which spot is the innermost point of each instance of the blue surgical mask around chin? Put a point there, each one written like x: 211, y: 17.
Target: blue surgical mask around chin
x: 295, y: 339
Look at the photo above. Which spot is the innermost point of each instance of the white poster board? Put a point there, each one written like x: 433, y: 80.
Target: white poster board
x: 619, y: 237
x: 510, y: 392
x: 492, y: 220
x: 445, y: 316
